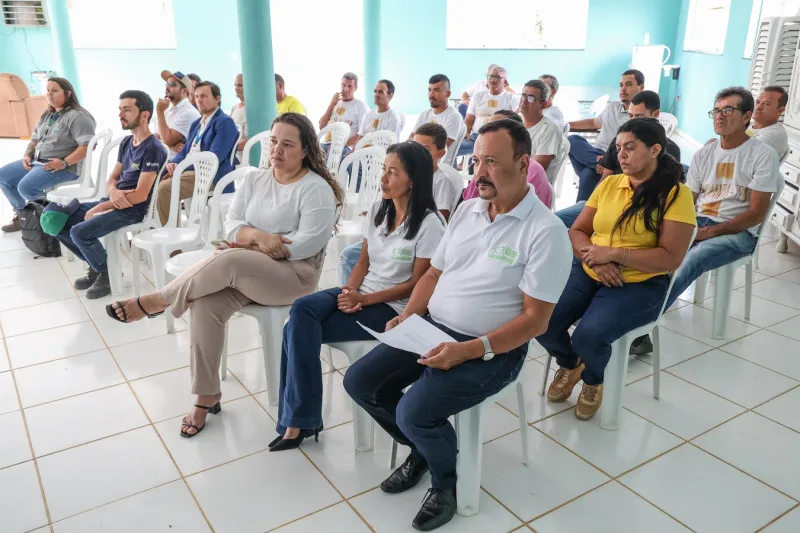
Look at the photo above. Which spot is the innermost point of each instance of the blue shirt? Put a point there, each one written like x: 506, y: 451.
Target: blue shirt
x: 149, y: 156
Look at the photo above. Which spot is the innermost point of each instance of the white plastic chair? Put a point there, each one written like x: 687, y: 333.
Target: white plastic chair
x: 669, y: 121
x: 597, y: 107
x: 340, y: 133
x: 458, y: 180
x: 449, y: 157
x: 723, y: 282
x: 113, y: 241
x: 371, y: 162
x: 382, y: 138
x: 236, y: 145
x: 617, y: 368
x: 85, y: 178
x: 263, y: 140
x: 159, y: 243
x: 469, y: 430
x: 89, y: 185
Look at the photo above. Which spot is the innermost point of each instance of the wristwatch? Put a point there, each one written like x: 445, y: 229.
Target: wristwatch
x: 64, y: 163
x: 488, y: 354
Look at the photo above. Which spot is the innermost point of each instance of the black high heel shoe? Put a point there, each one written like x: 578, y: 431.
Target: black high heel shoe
x: 280, y: 444
x: 215, y: 409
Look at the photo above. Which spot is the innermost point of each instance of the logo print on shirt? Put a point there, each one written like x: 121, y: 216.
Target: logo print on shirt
x: 404, y: 255
x: 725, y: 171
x: 134, y: 166
x: 507, y: 254
x: 375, y: 124
x: 340, y: 111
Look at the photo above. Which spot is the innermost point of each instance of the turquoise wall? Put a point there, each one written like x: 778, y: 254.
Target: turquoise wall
x: 19, y: 59
x: 702, y: 75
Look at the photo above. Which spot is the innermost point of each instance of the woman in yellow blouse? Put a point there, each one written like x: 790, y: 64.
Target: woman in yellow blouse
x: 634, y: 229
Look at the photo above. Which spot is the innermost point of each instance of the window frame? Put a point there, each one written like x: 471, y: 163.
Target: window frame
x: 688, y: 43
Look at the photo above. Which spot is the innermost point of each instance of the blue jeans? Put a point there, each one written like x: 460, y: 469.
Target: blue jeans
x: 82, y: 237
x: 707, y: 255
x: 467, y: 145
x: 462, y: 109
x: 20, y: 185
x: 569, y: 215
x: 350, y: 257
x: 606, y: 313
x: 314, y: 321
x: 583, y: 157
x: 418, y: 418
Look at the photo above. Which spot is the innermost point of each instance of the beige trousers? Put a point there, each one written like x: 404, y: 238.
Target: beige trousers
x: 165, y: 193
x: 218, y: 287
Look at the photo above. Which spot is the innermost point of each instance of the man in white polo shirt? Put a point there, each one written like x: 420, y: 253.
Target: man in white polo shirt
x: 344, y: 107
x: 486, y: 103
x: 548, y: 143
x: 175, y: 120
x: 584, y: 157
x: 766, y: 126
x: 383, y: 117
x: 440, y: 112
x: 492, y: 285
x: 551, y: 111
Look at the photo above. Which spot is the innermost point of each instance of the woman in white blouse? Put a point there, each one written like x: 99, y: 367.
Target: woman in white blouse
x: 278, y: 226
x: 401, y: 234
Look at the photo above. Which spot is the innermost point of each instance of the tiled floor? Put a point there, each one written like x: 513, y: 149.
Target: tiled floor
x: 89, y: 418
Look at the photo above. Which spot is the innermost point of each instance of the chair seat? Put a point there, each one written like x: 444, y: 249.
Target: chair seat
x: 182, y: 262
x: 163, y: 236
x: 64, y: 195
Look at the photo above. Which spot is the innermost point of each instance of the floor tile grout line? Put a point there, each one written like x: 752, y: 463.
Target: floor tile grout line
x: 571, y: 451
x: 705, y: 389
x: 574, y: 498
x: 504, y: 506
x: 765, y: 526
x: 760, y: 365
x: 654, y: 505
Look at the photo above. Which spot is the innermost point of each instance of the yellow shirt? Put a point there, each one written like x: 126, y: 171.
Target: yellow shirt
x: 610, y: 199
x: 291, y: 104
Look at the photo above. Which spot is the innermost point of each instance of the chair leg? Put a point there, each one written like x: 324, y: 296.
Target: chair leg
x: 468, y: 466
x: 656, y: 363
x: 114, y: 262
x: 223, y: 361
x: 700, y: 286
x: 70, y: 256
x: 755, y: 258
x: 137, y: 289
x: 748, y: 286
x: 616, y: 371
x: 393, y: 456
x: 722, y: 299
x: 271, y: 337
x: 523, y: 423
x: 329, y: 356
x: 363, y: 430
x: 544, y: 377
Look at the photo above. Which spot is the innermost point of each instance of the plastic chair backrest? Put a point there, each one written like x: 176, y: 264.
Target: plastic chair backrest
x: 371, y: 162
x: 669, y: 121
x: 457, y: 178
x: 565, y: 129
x: 383, y: 138
x: 263, y: 139
x: 152, y: 214
x: 772, y: 201
x: 105, y: 157
x: 672, y: 277
x: 450, y: 154
x: 205, y: 168
x: 236, y: 145
x: 340, y: 133
x: 86, y: 179
x: 598, y: 105
x: 237, y: 176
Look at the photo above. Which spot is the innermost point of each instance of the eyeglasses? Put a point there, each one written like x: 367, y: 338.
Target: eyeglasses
x: 493, y: 77
x: 172, y: 84
x: 726, y: 111
x: 529, y: 97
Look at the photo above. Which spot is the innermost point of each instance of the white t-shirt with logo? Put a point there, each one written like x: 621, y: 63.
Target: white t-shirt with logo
x: 774, y: 136
x: 547, y: 139
x: 723, y: 179
x: 485, y: 104
x: 180, y: 119
x: 612, y: 117
x: 487, y: 267
x: 449, y: 119
x: 351, y: 112
x: 389, y: 120
x: 446, y: 191
x: 391, y: 257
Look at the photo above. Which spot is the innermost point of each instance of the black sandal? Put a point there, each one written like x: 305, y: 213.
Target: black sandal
x: 111, y: 311
x: 215, y: 409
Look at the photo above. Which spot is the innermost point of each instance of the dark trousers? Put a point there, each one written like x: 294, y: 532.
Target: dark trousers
x: 583, y: 157
x: 313, y: 321
x: 82, y: 237
x: 418, y: 418
x: 606, y: 313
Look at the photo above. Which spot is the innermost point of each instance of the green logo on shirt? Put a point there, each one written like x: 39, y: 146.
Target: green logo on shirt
x: 405, y: 255
x: 504, y: 253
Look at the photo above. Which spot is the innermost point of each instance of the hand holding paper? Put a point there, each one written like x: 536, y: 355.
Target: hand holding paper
x: 414, y: 334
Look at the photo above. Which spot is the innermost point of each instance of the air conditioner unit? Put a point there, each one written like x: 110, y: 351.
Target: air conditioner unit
x: 24, y: 13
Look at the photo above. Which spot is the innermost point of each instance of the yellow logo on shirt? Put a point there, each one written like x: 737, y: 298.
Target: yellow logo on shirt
x: 375, y: 124
x: 340, y: 111
x: 493, y: 103
x: 725, y: 171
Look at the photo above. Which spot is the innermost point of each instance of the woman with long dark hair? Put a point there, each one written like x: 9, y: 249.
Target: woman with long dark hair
x: 401, y: 233
x: 634, y: 229
x: 278, y: 226
x: 54, y: 155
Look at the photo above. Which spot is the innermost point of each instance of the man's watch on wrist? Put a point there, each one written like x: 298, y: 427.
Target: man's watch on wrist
x: 488, y: 354
x: 64, y: 163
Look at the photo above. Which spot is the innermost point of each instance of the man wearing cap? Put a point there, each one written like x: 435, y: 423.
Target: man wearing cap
x: 174, y: 121
x: 80, y: 226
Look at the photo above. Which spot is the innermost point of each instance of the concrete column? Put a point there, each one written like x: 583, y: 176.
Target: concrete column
x: 62, y: 43
x: 372, y: 45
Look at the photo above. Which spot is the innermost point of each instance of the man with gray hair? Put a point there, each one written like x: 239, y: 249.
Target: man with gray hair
x: 480, y: 86
x: 486, y: 103
x: 553, y: 112
x: 548, y: 144
x: 344, y: 107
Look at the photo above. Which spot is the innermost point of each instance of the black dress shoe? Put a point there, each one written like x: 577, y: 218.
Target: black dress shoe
x: 438, y: 508
x: 281, y: 444
x: 408, y: 475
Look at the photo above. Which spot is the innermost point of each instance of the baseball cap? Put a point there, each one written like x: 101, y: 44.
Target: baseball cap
x: 180, y: 76
x: 55, y: 216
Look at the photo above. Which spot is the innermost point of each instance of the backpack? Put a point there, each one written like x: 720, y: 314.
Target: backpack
x: 36, y: 240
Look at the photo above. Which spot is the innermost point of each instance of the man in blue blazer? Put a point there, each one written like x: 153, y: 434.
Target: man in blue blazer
x: 214, y: 132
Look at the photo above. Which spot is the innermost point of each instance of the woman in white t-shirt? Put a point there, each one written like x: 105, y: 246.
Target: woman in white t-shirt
x: 278, y: 225
x: 401, y: 234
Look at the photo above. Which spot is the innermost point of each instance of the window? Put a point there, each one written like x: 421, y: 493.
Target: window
x: 527, y: 24
x: 763, y: 9
x: 118, y: 24
x: 707, y: 26
x: 23, y: 13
